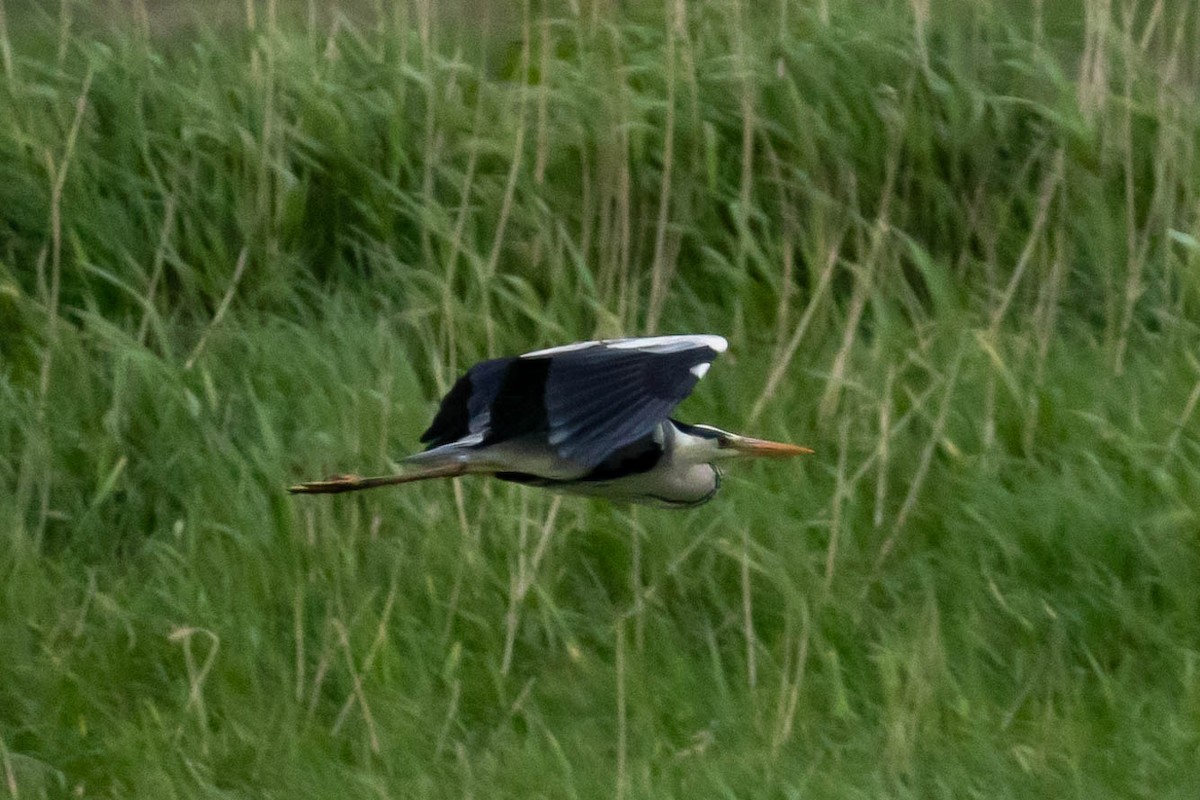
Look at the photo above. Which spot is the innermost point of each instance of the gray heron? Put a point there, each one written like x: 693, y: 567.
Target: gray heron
x: 588, y: 418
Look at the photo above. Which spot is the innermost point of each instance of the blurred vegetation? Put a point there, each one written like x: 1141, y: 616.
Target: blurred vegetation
x: 954, y: 246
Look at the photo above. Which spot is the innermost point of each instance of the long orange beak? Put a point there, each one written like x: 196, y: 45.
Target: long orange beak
x: 762, y: 448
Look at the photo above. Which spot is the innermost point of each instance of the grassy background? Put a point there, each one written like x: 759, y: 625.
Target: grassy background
x: 953, y: 244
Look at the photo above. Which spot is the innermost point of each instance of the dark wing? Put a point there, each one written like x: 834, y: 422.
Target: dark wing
x: 466, y: 407
x: 606, y: 396
x: 590, y: 399
x: 496, y: 400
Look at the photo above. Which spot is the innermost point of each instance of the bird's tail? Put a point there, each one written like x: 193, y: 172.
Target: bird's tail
x: 421, y: 467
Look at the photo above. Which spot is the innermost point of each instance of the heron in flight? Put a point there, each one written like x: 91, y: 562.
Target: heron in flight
x: 588, y: 418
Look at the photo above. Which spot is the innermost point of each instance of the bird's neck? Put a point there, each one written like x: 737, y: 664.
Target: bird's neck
x: 687, y: 448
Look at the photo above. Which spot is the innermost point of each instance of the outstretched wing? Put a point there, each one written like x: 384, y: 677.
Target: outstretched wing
x: 589, y: 398
x: 603, y: 397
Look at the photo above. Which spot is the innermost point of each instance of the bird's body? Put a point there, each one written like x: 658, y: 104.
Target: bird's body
x: 666, y: 467
x: 588, y: 418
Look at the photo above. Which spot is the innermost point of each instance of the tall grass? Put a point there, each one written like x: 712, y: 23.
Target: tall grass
x: 954, y: 247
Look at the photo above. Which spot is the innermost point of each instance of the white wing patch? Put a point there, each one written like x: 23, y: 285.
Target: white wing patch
x: 670, y: 344
x: 562, y: 348
x: 650, y: 344
x: 700, y: 369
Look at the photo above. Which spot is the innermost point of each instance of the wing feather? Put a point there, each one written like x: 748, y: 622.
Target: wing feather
x: 466, y: 408
x: 601, y: 398
x: 590, y: 399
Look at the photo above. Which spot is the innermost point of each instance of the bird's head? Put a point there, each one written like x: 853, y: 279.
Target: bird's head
x: 713, y: 444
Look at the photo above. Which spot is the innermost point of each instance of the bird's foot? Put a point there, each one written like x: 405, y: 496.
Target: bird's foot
x: 331, y: 485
